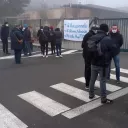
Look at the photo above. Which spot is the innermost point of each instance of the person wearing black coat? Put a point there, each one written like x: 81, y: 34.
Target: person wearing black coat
x: 40, y: 38
x: 27, y: 40
x: 100, y: 64
x: 4, y: 37
x: 117, y: 40
x: 58, y: 37
x: 52, y: 39
x: 87, y: 57
x: 43, y: 36
x: 17, y: 43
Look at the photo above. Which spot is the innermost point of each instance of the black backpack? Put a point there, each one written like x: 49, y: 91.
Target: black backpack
x: 51, y: 35
x: 95, y: 46
x: 43, y: 36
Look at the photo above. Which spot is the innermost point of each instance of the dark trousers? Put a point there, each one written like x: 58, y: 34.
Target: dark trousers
x: 17, y: 53
x: 87, y: 73
x: 44, y: 47
x: 53, y: 47
x: 95, y: 70
x: 28, y: 47
x: 5, y: 45
x: 31, y: 45
x: 58, y: 49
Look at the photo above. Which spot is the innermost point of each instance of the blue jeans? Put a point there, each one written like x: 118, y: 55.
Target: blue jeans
x: 95, y: 70
x: 58, y: 49
x: 28, y: 47
x: 116, y: 60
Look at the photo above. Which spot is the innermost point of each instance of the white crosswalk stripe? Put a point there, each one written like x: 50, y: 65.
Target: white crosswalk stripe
x: 9, y: 120
x: 12, y: 56
x: 44, y: 103
x: 109, y: 87
x: 38, y: 54
x: 72, y: 91
x: 123, y: 79
x: 121, y: 70
x: 92, y: 105
x: 69, y: 52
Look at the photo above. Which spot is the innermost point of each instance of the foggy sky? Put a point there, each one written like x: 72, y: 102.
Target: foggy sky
x: 108, y: 3
x: 112, y: 3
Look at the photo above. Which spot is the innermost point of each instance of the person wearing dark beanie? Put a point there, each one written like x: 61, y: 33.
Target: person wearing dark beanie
x: 104, y: 27
x: 100, y: 61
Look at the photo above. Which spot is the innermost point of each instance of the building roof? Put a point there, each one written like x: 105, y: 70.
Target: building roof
x: 101, y: 11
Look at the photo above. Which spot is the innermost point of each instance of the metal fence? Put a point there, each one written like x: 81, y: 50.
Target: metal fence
x: 123, y: 27
x: 122, y: 24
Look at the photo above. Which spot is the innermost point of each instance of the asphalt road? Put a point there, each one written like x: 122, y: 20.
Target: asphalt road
x: 38, y: 75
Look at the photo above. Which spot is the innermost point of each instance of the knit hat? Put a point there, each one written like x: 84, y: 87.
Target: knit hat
x: 104, y: 27
x: 51, y: 27
x: 25, y: 25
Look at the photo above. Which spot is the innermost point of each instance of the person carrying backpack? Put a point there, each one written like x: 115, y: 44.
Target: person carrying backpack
x: 39, y: 36
x: 43, y: 36
x: 100, y: 45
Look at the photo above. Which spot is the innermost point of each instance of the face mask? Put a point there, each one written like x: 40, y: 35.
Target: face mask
x: 41, y: 29
x: 95, y: 31
x: 6, y: 25
x: 114, y: 31
x: 23, y: 29
x: 107, y: 33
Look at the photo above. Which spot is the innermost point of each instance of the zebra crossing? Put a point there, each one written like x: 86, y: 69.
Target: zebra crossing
x: 52, y: 107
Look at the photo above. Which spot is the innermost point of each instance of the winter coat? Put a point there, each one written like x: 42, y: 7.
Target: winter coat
x: 15, y: 36
x: 58, y: 36
x: 117, y: 40
x: 106, y: 47
x: 4, y: 32
x: 43, y: 36
x: 27, y: 35
x: 52, y: 35
x: 84, y: 45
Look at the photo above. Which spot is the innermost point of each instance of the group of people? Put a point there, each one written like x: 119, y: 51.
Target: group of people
x: 22, y: 40
x: 101, y: 45
x: 48, y: 34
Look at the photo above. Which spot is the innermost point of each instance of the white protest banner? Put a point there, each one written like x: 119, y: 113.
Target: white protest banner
x: 75, y: 30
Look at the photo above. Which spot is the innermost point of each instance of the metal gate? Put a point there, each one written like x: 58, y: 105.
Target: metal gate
x: 123, y: 27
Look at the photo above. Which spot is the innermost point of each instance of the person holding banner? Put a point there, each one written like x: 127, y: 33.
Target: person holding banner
x: 87, y: 56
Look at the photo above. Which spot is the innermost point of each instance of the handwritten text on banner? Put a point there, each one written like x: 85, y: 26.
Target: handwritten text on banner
x: 75, y: 30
